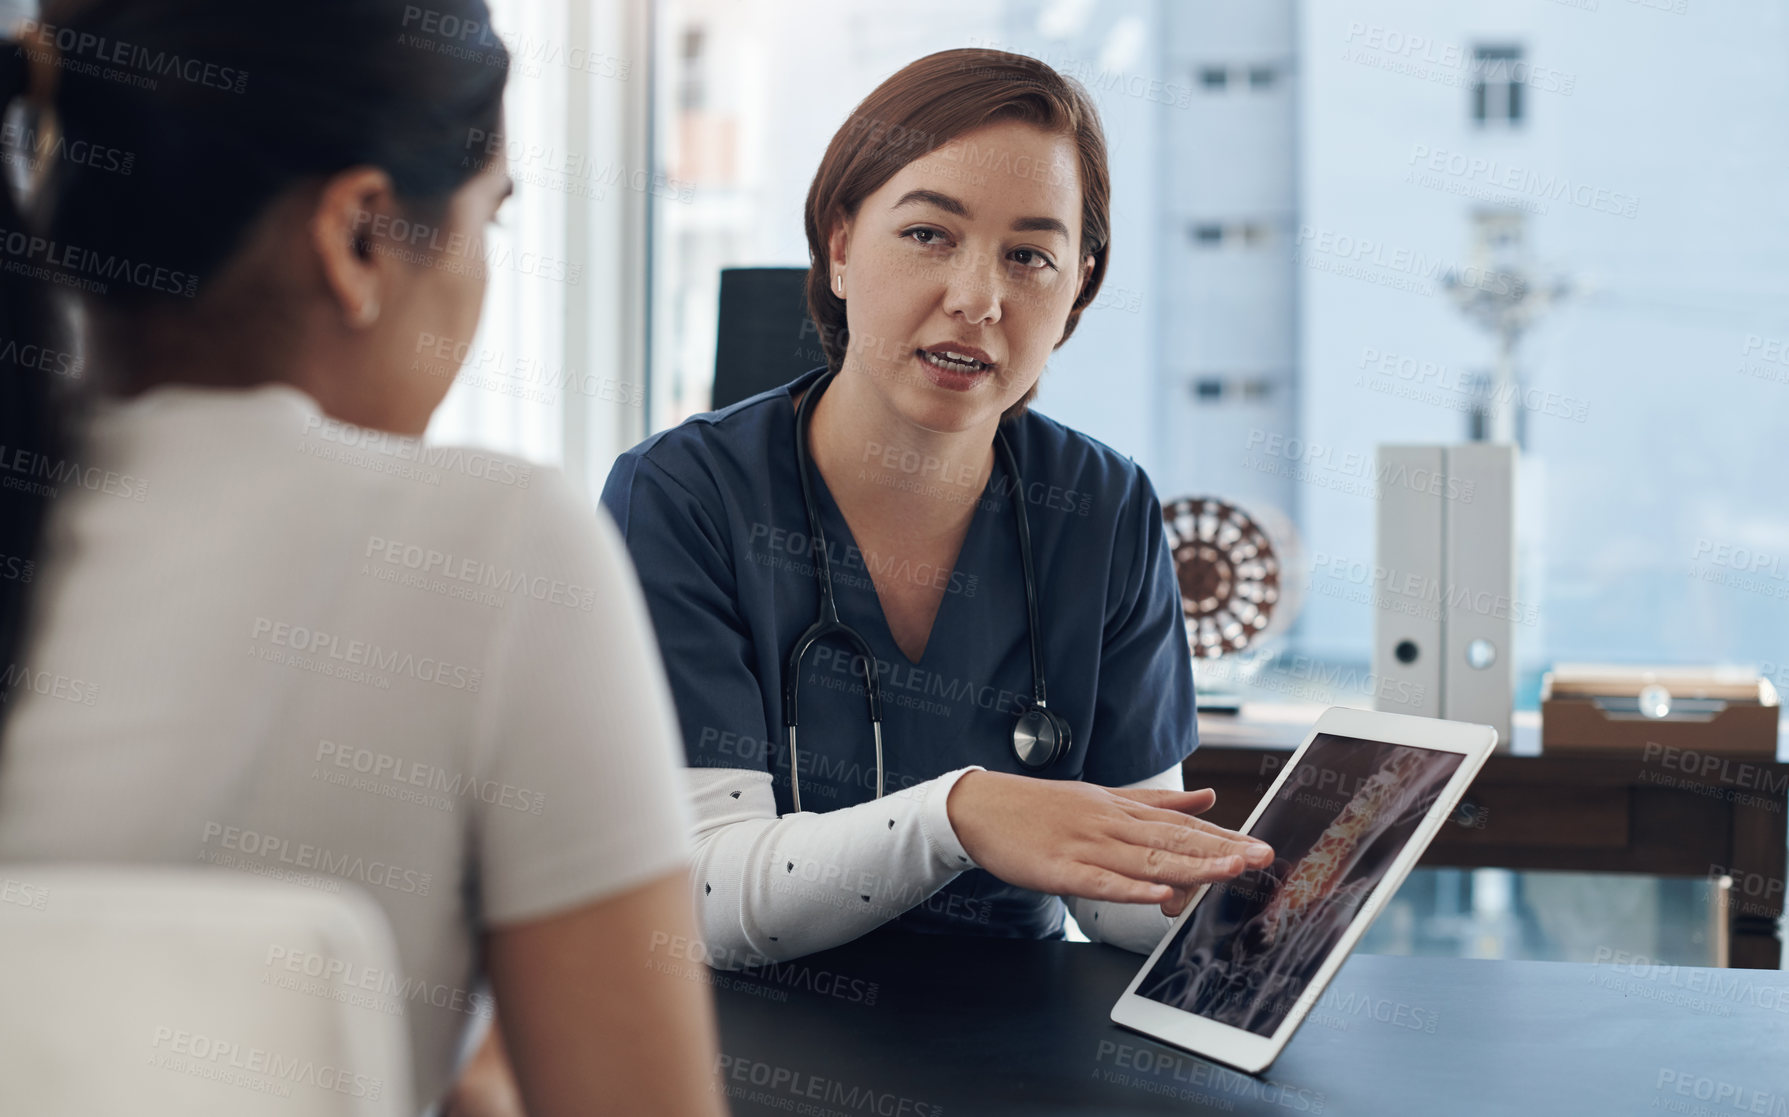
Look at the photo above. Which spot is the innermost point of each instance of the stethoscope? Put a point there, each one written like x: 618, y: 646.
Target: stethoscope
x: 1040, y: 737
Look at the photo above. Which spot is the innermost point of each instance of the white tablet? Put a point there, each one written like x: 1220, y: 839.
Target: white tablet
x: 1349, y: 815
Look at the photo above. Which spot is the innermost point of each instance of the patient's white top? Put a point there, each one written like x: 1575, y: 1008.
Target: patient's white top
x: 274, y: 643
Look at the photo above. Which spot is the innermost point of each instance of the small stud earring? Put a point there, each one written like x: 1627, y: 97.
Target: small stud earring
x: 367, y: 313
x: 838, y: 284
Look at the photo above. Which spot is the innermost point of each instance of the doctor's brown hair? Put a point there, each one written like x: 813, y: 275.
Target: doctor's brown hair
x: 925, y: 106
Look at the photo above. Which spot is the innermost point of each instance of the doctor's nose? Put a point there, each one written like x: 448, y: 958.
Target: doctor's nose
x: 974, y: 292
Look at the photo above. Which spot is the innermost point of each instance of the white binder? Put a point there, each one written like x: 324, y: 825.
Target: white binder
x: 1445, y: 606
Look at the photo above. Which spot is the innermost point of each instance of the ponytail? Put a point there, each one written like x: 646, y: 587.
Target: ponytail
x: 33, y: 430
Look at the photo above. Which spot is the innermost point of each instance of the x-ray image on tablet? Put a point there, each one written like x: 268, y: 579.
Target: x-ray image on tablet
x: 1347, y: 817
x: 1337, y: 822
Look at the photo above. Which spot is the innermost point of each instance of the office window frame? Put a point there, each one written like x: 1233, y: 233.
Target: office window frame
x: 1496, y: 97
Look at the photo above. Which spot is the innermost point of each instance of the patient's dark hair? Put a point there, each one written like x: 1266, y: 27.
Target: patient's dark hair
x: 156, y: 132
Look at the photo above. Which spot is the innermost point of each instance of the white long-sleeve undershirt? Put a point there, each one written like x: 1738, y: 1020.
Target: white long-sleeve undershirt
x: 772, y: 889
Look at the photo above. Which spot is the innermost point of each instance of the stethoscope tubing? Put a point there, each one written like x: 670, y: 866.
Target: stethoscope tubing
x: 829, y: 625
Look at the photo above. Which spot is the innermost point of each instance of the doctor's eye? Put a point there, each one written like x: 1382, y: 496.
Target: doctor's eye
x: 934, y: 236
x: 1035, y: 260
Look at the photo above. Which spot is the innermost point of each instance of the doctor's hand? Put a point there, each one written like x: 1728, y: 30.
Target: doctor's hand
x: 1068, y: 838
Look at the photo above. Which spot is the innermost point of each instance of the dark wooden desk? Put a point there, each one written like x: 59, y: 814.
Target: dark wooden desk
x: 1627, y: 814
x: 902, y: 1025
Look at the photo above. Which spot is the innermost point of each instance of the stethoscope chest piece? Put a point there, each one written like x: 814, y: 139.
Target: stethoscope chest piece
x: 1040, y: 737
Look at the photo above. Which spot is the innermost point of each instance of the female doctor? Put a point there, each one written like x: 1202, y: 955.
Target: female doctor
x: 925, y: 643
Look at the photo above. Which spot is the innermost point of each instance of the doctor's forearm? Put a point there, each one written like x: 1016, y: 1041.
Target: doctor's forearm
x: 770, y: 889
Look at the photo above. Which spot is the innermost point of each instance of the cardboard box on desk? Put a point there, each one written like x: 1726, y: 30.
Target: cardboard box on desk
x: 1598, y: 710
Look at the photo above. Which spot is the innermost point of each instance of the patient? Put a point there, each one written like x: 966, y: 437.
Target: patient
x: 246, y: 619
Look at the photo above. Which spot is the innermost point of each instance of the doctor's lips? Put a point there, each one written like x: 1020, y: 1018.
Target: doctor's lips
x: 956, y: 358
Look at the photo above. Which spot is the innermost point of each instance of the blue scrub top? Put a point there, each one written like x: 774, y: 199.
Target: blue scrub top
x: 711, y: 510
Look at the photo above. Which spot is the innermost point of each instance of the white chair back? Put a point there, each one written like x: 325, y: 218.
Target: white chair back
x: 194, y: 992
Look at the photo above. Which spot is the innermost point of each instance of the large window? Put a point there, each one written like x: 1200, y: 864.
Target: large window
x: 1280, y: 279
x: 1298, y: 190
x: 554, y: 372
